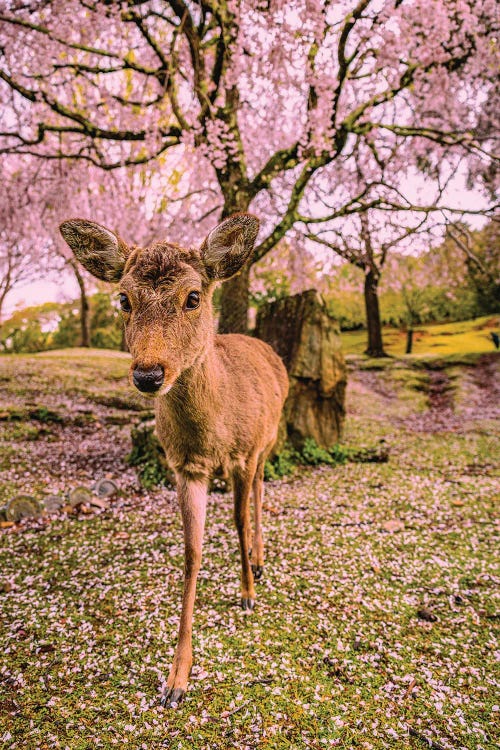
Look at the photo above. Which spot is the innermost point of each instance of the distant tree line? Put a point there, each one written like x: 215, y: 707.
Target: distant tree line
x: 457, y: 280
x: 56, y: 325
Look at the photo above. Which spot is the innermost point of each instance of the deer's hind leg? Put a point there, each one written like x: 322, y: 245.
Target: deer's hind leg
x: 243, y: 479
x: 258, y: 543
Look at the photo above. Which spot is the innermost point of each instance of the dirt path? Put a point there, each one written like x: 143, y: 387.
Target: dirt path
x: 440, y: 391
x: 458, y: 397
x: 486, y: 381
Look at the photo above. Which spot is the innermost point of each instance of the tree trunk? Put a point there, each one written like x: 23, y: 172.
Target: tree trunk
x: 306, y: 337
x: 234, y: 303
x: 123, y: 341
x: 374, y: 326
x: 6, y: 286
x: 84, y: 306
x: 2, y: 301
x: 409, y: 340
x: 235, y: 293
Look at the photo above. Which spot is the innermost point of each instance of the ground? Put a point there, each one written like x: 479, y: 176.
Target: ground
x: 376, y: 623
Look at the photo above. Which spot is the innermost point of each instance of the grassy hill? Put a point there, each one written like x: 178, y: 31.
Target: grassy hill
x: 440, y: 339
x: 375, y: 621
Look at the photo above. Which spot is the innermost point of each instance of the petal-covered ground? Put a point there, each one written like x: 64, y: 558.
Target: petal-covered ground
x: 376, y: 623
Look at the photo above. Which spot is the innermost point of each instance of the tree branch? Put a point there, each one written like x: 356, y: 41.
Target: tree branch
x: 291, y: 215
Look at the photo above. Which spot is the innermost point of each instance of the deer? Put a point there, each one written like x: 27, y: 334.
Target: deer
x: 218, y: 398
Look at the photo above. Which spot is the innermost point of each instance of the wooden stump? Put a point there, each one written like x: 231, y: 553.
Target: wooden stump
x: 302, y: 331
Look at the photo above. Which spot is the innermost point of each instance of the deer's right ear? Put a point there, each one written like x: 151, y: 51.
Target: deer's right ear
x: 98, y: 249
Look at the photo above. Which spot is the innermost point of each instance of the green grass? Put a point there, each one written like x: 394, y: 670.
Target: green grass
x: 437, y: 339
x: 335, y: 654
x: 94, y: 374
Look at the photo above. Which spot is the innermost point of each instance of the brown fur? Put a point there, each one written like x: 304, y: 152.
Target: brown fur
x: 219, y: 408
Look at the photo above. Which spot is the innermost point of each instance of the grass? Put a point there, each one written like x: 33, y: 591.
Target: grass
x: 472, y: 336
x: 93, y: 374
x: 376, y: 623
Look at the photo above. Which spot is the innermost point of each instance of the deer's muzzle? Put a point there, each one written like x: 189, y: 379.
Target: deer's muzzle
x: 148, y: 380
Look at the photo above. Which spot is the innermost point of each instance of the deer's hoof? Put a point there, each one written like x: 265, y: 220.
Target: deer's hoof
x: 172, y: 697
x: 247, y: 604
x: 257, y: 571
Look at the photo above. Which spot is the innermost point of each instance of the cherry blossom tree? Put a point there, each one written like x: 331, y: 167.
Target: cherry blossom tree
x: 269, y: 105
x: 20, y: 248
x: 40, y: 193
x: 480, y: 253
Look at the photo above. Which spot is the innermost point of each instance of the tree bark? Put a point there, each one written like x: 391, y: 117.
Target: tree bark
x: 123, y: 342
x: 304, y: 334
x: 375, y: 344
x: 3, y: 295
x: 6, y: 285
x: 233, y: 317
x: 234, y: 303
x: 84, y: 306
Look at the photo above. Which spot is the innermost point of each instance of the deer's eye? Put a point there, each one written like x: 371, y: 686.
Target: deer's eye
x: 192, y: 301
x: 125, y: 303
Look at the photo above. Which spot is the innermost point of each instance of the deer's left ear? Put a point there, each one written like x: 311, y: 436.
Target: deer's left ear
x: 227, y: 247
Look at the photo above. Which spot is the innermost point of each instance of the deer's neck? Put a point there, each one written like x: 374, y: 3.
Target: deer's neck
x: 195, y: 394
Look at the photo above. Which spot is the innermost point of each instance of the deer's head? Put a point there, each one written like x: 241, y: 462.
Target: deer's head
x: 165, y: 291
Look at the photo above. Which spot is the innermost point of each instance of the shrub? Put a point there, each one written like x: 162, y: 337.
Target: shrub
x: 311, y: 454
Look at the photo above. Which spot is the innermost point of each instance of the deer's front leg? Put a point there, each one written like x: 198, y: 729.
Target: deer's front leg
x: 192, y: 494
x: 242, y: 483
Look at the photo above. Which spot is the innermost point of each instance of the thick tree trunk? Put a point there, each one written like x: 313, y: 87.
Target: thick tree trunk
x: 375, y: 344
x: 84, y: 306
x: 235, y: 293
x: 234, y: 303
x: 301, y: 330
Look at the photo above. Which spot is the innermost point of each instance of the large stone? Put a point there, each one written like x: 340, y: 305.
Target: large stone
x: 149, y: 457
x: 305, y: 335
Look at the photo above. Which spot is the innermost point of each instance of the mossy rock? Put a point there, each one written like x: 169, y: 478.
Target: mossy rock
x: 149, y: 457
x: 23, y: 506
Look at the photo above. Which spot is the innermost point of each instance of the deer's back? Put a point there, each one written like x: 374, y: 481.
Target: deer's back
x: 254, y: 386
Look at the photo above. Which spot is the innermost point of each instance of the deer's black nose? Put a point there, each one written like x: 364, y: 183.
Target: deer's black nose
x: 148, y: 380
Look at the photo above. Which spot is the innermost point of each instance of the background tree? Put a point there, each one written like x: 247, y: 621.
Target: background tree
x: 42, y: 193
x: 269, y: 106
x: 20, y: 247
x: 481, y: 252
x: 366, y: 245
x: 408, y: 276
